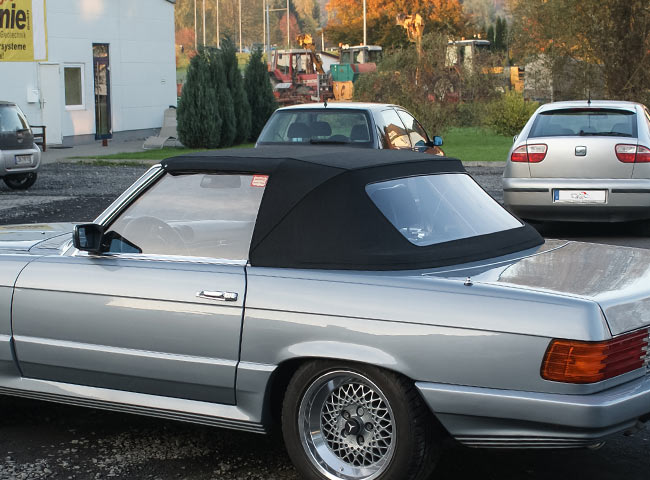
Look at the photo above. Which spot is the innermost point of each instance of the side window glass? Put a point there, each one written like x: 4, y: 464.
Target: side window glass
x: 416, y: 133
x: 394, y: 131
x: 647, y: 117
x: 199, y: 215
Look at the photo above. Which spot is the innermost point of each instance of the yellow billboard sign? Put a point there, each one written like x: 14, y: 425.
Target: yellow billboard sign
x: 23, y: 31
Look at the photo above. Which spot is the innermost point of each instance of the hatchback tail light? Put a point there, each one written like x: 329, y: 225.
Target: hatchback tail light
x: 632, y: 153
x: 573, y: 361
x: 529, y: 153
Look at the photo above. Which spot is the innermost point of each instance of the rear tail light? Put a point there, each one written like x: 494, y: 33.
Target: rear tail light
x: 572, y: 361
x: 536, y: 153
x: 632, y: 153
x: 529, y: 153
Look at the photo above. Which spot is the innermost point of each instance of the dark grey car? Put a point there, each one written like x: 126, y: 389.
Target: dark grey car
x: 20, y: 157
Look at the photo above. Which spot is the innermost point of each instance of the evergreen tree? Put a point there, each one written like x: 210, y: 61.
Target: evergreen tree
x: 237, y: 92
x: 199, y: 122
x: 500, y: 34
x: 225, y: 106
x: 259, y: 93
x: 490, y: 35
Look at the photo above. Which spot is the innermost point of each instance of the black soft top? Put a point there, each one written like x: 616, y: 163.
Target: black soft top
x: 315, y: 212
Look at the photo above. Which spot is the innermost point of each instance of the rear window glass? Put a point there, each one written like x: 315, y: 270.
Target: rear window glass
x: 11, y: 120
x: 318, y: 127
x: 585, y: 122
x: 439, y: 208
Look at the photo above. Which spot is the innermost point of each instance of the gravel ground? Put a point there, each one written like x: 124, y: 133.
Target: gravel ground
x: 48, y: 441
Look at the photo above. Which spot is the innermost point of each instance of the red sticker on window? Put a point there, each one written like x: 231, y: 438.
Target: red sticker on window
x: 259, y: 180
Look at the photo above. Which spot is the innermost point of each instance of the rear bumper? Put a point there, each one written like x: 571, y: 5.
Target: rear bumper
x: 483, y: 417
x: 8, y: 163
x: 532, y: 198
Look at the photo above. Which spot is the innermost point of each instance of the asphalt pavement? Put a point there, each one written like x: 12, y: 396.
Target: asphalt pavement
x: 48, y: 441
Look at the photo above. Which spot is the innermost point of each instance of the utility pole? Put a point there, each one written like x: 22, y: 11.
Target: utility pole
x: 204, y: 23
x: 240, y: 46
x: 195, y: 26
x: 264, y: 24
x: 288, y: 38
x: 365, y: 36
x: 218, y: 35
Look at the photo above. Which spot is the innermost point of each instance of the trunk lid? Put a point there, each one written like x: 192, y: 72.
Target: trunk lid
x: 617, y: 278
x: 581, y: 157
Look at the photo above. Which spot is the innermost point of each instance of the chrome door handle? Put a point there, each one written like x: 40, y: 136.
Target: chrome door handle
x: 216, y: 295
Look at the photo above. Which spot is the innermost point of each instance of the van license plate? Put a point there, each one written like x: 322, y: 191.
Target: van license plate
x: 24, y: 160
x: 580, y: 196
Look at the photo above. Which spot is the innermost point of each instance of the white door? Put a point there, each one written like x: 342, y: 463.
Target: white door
x: 51, y: 105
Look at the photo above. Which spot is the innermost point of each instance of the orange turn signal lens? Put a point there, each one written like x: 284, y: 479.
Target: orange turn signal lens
x: 573, y: 361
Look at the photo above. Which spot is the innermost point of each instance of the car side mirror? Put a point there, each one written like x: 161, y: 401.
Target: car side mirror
x: 88, y: 237
x: 437, y: 141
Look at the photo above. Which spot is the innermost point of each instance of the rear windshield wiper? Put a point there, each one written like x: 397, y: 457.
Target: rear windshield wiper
x: 330, y: 142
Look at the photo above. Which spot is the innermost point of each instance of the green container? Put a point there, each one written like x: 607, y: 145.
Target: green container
x: 343, y: 73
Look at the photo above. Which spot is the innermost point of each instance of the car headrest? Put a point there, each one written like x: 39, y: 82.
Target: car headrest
x: 299, y: 130
x: 321, y: 129
x: 360, y: 133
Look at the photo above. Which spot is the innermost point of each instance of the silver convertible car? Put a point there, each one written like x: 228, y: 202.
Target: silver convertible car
x: 370, y: 303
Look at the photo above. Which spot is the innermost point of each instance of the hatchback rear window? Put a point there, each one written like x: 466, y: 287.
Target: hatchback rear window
x: 440, y: 208
x: 11, y: 119
x: 318, y: 126
x: 607, y: 122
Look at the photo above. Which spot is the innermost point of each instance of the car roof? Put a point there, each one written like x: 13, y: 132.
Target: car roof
x: 341, y: 105
x: 590, y: 104
x: 315, y: 212
x: 257, y: 160
x: 4, y: 102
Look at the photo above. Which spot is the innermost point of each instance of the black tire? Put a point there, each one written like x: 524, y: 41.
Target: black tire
x: 313, y: 424
x: 20, y: 181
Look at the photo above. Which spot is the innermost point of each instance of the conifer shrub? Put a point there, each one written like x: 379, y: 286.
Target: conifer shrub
x: 236, y: 85
x: 224, y: 98
x: 259, y: 93
x: 199, y: 121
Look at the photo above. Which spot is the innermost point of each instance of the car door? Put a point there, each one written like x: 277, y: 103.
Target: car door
x: 161, y: 311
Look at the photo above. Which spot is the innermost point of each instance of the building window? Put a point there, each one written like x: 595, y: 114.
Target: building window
x: 74, y: 87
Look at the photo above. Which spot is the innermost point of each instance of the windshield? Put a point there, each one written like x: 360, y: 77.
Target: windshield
x: 440, y: 208
x: 318, y: 126
x: 585, y: 122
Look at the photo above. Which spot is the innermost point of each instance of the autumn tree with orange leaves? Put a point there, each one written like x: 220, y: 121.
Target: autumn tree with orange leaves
x: 346, y: 19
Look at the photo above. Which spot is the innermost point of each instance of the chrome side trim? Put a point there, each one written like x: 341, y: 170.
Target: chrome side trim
x: 149, y: 257
x: 144, y: 182
x: 122, y: 351
x: 524, y: 442
x: 204, y: 413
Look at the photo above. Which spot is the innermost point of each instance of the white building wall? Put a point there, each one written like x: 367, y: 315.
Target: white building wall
x: 140, y: 34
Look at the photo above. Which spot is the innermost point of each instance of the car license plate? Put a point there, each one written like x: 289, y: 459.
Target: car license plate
x: 24, y: 160
x: 580, y: 196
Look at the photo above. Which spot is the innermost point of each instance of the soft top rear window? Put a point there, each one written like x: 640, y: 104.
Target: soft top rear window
x: 609, y: 122
x: 318, y: 126
x: 433, y: 209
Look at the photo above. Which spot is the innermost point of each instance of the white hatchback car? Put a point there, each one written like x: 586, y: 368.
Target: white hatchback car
x: 581, y: 161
